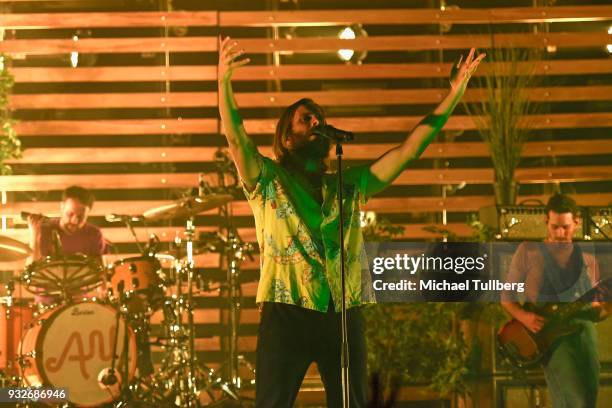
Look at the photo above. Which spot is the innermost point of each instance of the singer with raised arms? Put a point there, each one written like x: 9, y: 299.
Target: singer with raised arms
x: 296, y: 218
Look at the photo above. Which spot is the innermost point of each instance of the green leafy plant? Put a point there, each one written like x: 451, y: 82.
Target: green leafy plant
x: 416, y: 343
x: 434, y: 344
x: 10, y: 146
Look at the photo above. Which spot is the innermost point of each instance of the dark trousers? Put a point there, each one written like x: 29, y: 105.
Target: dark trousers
x: 291, y: 338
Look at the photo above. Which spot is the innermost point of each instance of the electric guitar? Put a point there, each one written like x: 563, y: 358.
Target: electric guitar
x: 525, y: 349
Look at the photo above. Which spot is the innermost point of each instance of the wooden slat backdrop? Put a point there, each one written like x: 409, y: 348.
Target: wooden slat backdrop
x: 137, y: 131
x: 289, y: 72
x: 302, y: 45
x: 280, y: 99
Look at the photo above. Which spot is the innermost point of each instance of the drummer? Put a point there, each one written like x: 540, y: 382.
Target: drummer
x: 76, y: 235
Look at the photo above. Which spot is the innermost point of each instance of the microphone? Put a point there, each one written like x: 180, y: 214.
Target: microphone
x: 25, y: 215
x: 122, y: 218
x: 332, y: 133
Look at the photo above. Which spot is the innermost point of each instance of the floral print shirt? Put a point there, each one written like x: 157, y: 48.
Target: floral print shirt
x: 299, y: 243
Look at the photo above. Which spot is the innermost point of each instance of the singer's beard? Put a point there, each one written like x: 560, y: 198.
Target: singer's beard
x: 316, y: 150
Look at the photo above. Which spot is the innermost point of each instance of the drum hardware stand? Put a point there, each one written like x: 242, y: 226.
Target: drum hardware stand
x: 6, y: 379
x: 185, y: 382
x: 129, y: 224
x: 234, y: 251
x: 110, y: 378
x: 189, y: 233
x: 125, y: 396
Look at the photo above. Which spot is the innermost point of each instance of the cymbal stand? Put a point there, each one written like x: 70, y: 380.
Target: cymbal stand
x: 187, y: 392
x: 189, y: 234
x: 181, y: 375
x: 234, y: 251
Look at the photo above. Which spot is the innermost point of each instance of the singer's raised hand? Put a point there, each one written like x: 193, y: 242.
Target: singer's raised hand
x: 462, y: 72
x: 228, y: 54
x: 390, y: 165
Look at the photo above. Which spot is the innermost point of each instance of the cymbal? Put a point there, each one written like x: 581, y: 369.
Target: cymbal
x: 187, y: 207
x: 13, y: 250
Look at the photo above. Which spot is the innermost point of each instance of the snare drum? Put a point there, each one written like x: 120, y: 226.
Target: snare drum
x: 64, y: 276
x: 137, y: 278
x: 71, y: 346
x: 15, y: 319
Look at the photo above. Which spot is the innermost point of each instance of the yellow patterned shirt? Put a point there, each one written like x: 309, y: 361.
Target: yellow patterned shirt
x: 298, y: 239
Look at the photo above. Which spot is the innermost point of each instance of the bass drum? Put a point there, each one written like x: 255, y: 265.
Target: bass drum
x: 15, y: 318
x: 71, y: 347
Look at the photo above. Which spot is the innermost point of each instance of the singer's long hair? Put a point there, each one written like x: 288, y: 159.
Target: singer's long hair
x: 283, y: 127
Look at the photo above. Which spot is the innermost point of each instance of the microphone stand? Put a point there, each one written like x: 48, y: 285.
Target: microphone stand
x: 128, y: 223
x: 125, y: 391
x: 344, y: 354
x: 110, y: 378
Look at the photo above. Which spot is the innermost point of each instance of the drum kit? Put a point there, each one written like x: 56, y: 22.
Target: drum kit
x: 99, y: 348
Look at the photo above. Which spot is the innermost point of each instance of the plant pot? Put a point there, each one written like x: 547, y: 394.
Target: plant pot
x: 506, y: 192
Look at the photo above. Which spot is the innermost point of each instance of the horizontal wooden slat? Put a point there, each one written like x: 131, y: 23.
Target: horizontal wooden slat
x: 307, y: 17
x: 353, y: 151
x: 108, y: 45
x: 167, y: 234
x: 428, y: 42
x: 289, y: 72
x: 408, y: 177
x: 357, y: 97
x: 416, y: 16
x: 386, y: 205
x: 98, y: 181
x: 247, y: 316
x: 101, y: 208
x: 112, y: 19
x: 117, y: 126
x: 263, y: 45
x: 485, y: 176
x: 267, y: 126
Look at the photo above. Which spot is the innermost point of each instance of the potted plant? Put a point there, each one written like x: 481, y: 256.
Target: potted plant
x: 502, y: 115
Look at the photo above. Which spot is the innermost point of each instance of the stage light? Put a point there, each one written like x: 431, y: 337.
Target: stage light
x: 346, y: 34
x: 350, y: 33
x: 74, y: 55
x: 609, y: 46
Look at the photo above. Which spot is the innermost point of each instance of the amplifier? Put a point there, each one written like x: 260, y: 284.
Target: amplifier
x: 529, y: 222
x: 529, y: 393
x: 600, y: 223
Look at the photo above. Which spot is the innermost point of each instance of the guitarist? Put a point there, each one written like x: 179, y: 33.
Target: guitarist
x: 558, y: 271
